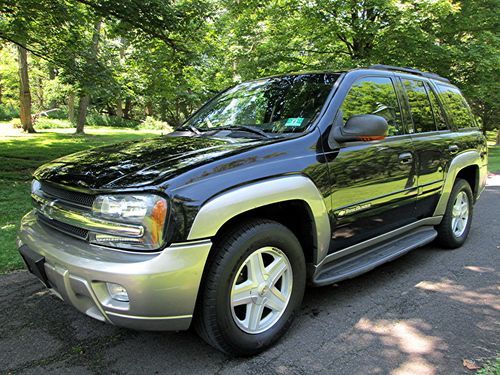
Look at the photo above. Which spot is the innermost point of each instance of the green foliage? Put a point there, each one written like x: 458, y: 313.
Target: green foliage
x: 49, y: 123
x: 8, y: 112
x: 163, y: 59
x: 151, y: 124
x: 96, y: 119
x: 59, y: 114
x: 490, y: 368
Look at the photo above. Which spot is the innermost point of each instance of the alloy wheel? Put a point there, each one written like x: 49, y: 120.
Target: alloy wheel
x: 261, y: 290
x: 460, y: 214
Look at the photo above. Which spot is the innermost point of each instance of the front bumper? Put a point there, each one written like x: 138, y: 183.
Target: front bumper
x: 162, y: 287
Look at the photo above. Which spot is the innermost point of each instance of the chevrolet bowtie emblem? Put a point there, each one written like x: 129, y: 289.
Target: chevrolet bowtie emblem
x: 47, y: 208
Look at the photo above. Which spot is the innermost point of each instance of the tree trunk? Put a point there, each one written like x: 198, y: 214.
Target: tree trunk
x: 52, y: 76
x: 119, y: 108
x: 82, y: 113
x: 149, y: 109
x: 84, y: 96
x: 41, y: 94
x: 498, y: 137
x: 71, y: 108
x: 127, y: 109
x: 24, y: 91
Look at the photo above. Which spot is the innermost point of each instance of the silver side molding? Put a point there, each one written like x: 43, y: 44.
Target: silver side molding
x: 459, y: 162
x: 218, y: 210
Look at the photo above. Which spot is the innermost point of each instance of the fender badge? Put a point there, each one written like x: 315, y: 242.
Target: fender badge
x: 353, y: 209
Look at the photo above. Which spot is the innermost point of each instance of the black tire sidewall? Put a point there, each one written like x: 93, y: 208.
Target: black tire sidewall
x: 268, y: 234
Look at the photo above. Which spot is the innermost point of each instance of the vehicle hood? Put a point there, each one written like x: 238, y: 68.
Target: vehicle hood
x: 139, y: 163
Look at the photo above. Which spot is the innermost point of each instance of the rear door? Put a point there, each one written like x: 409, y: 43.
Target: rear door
x: 373, y: 182
x: 432, y: 139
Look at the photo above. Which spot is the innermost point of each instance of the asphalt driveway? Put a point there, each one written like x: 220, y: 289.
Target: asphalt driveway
x: 421, y: 314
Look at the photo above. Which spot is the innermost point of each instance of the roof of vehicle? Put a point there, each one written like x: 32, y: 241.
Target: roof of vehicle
x: 410, y: 71
x: 379, y: 67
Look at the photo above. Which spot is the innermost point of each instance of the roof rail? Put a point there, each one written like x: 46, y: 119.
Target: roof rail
x: 408, y: 70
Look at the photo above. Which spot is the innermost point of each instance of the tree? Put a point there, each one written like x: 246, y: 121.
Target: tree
x: 85, y: 94
x: 164, y: 58
x: 24, y: 92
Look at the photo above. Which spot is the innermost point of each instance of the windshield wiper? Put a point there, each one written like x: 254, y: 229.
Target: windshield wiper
x: 248, y: 128
x: 189, y: 127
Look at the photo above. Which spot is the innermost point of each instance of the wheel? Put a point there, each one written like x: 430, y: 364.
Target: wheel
x: 252, y: 288
x: 455, y: 226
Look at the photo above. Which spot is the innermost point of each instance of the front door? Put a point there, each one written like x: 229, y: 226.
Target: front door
x: 374, y: 183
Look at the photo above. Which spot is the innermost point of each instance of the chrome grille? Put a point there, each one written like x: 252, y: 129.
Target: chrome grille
x: 71, y: 196
x: 63, y: 227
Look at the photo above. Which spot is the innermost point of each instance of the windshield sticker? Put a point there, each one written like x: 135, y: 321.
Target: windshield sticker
x: 294, y: 121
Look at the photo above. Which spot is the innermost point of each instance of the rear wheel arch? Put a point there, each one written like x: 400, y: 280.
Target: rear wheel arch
x: 465, y: 166
x: 471, y: 175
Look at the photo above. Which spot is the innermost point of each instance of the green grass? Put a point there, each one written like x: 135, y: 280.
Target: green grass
x: 490, y: 368
x: 494, y: 159
x: 493, y: 152
x: 21, y: 154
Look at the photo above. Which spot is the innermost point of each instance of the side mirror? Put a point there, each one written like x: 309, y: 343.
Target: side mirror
x: 362, y: 128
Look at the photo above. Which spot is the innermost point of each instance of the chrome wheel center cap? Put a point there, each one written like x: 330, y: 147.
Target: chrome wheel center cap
x: 263, y: 289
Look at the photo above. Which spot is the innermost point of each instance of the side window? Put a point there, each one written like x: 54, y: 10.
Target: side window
x: 374, y: 95
x: 456, y: 106
x: 420, y: 106
x: 437, y: 110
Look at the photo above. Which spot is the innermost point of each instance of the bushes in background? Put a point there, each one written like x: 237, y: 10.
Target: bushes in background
x: 8, y: 112
x: 96, y: 119
x: 151, y: 123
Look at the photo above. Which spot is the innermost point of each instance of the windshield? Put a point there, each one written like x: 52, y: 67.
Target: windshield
x: 279, y: 104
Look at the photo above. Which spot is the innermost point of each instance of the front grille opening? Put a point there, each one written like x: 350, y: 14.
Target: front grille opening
x: 71, y: 230
x: 70, y: 196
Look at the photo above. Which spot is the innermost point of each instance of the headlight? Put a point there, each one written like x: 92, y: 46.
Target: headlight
x: 149, y: 211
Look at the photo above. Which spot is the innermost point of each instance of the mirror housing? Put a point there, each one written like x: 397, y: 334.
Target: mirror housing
x: 362, y: 128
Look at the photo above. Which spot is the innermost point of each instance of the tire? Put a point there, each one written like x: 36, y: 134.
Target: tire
x: 221, y: 324
x: 448, y: 237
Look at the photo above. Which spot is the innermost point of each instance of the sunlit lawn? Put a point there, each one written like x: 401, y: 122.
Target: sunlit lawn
x: 494, y: 159
x: 21, y: 154
x: 493, y: 153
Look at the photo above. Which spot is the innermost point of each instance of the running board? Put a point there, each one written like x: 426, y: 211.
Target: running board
x: 367, y: 259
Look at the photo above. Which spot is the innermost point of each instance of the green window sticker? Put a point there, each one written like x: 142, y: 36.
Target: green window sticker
x: 294, y: 121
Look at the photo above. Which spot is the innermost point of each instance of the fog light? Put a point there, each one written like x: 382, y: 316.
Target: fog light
x: 117, y: 292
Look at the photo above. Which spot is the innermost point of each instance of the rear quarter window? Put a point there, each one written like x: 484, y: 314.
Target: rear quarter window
x: 456, y: 106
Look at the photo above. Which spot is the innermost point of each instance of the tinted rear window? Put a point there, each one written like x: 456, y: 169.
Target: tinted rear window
x: 456, y: 106
x: 420, y: 106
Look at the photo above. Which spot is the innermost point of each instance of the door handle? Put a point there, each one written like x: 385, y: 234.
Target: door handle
x: 453, y: 149
x: 405, y: 158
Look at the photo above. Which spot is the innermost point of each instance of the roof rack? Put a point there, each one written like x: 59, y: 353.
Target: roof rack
x: 408, y: 70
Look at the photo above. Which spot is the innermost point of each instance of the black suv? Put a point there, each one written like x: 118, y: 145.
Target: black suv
x: 274, y: 183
